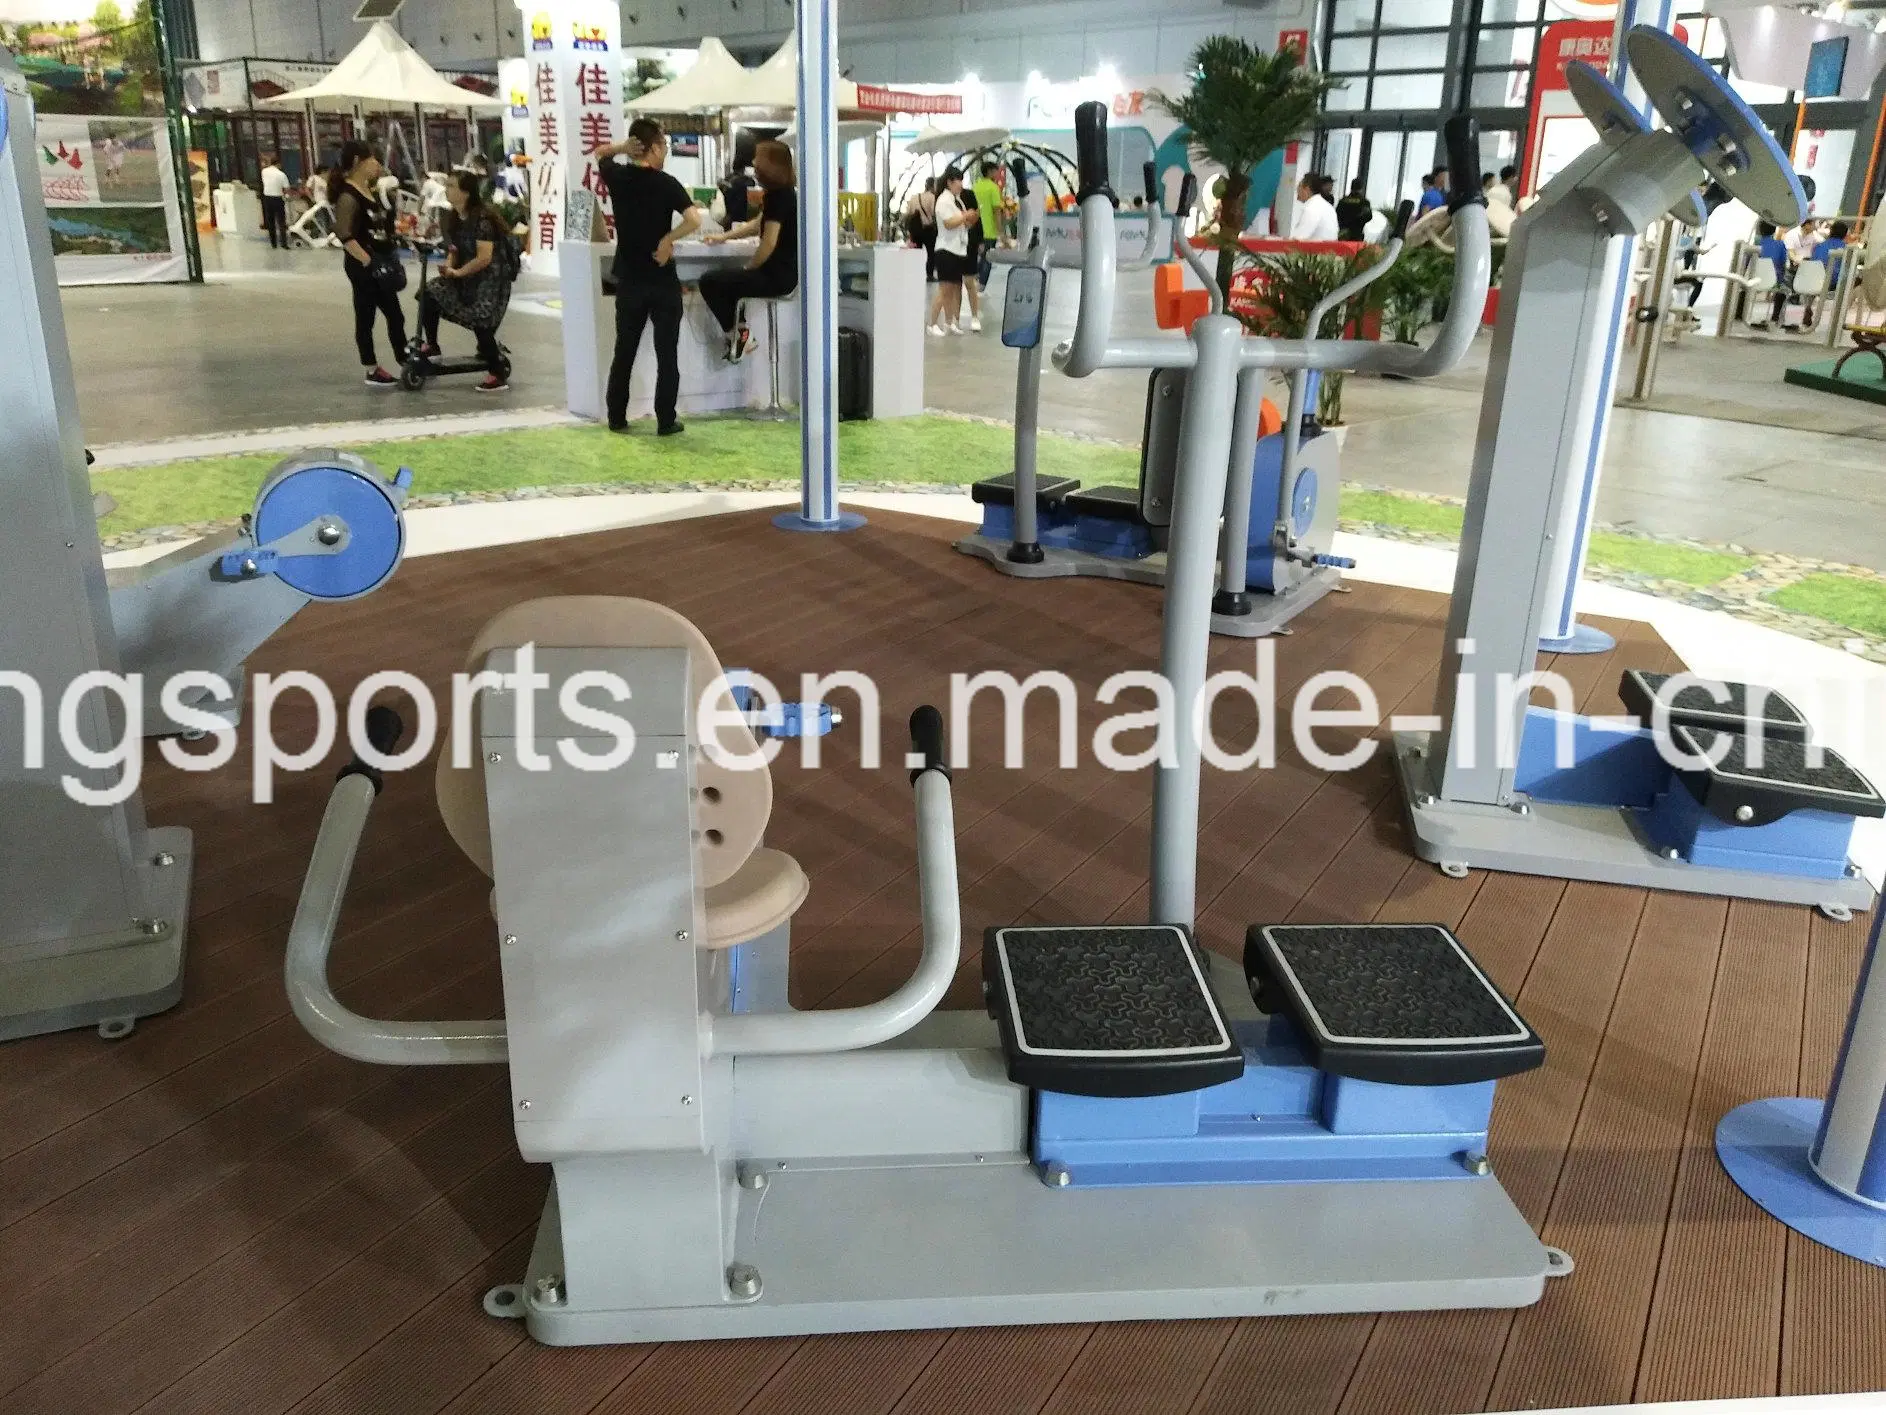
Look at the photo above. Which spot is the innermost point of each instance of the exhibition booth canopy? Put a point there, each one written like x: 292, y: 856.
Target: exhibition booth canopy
x: 717, y: 80
x: 384, y: 68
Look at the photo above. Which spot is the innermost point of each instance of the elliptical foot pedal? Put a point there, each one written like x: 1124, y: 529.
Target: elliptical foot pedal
x: 1107, y: 1011
x: 1715, y: 707
x: 1000, y: 491
x: 1403, y: 1004
x: 1109, y: 503
x: 1739, y: 791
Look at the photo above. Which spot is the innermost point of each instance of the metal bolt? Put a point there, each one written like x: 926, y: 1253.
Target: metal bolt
x: 71, y: 545
x: 687, y: 1100
x: 550, y: 1290
x: 1424, y: 800
x: 743, y: 1280
x: 249, y: 567
x: 753, y: 1179
x: 1057, y: 1176
x: 164, y: 860
x: 681, y: 935
x: 1672, y: 853
x: 1521, y: 808
x: 523, y: 1105
x: 981, y: 1159
x: 494, y: 757
x: 151, y: 928
x: 1745, y: 813
x: 1476, y: 1163
x: 510, y: 940
x: 328, y: 534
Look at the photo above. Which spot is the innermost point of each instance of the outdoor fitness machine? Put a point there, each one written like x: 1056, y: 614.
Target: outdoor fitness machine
x: 1722, y: 792
x: 1131, y: 1130
x: 1277, y: 554
x: 93, y: 902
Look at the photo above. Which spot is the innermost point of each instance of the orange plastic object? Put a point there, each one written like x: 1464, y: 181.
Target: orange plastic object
x: 1269, y: 420
x: 1174, y: 306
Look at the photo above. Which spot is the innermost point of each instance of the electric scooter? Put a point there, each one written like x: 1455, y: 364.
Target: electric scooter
x: 420, y: 368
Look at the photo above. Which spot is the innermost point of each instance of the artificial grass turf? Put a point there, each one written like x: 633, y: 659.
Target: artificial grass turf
x: 947, y: 451
x: 1857, y: 604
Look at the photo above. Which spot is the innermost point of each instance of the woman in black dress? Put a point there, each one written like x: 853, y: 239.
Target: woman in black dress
x: 474, y: 287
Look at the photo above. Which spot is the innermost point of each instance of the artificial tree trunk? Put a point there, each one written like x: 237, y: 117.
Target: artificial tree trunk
x: 1230, y: 228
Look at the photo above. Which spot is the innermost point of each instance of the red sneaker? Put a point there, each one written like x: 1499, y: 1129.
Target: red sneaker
x: 493, y: 384
x: 380, y: 378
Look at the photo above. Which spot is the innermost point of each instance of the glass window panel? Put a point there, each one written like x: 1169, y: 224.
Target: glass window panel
x: 1417, y: 14
x: 1407, y: 91
x: 1349, y: 55
x: 1500, y: 88
x: 1351, y: 98
x: 1715, y: 39
x: 1353, y: 17
x: 1505, y: 46
x: 1758, y: 93
x: 1411, y: 51
x: 1495, y: 12
x: 1384, y: 169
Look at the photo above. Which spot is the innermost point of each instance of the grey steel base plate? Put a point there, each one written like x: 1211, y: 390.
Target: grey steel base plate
x: 108, y: 987
x: 1270, y: 613
x: 884, y: 1246
x: 1599, y: 843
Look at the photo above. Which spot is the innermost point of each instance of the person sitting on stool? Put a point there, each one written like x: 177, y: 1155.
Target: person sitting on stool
x: 646, y: 201
x: 274, y: 202
x: 774, y: 270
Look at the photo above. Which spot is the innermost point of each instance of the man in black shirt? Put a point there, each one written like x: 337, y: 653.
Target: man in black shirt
x: 646, y: 201
x: 1353, y: 213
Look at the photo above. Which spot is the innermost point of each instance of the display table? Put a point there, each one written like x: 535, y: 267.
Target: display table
x: 888, y: 305
x: 238, y: 213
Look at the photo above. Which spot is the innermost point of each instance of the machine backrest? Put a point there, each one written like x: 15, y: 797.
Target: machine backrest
x: 732, y: 807
x: 1873, y: 283
x: 1764, y: 274
x: 1810, y: 277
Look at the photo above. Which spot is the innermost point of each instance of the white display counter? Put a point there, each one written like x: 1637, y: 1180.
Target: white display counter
x: 888, y: 306
x: 238, y: 213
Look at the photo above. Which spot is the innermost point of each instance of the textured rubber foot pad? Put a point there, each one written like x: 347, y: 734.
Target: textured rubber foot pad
x: 1111, y: 503
x: 1399, y: 1003
x: 1107, y: 1011
x: 1719, y: 707
x: 1000, y: 491
x: 1734, y: 788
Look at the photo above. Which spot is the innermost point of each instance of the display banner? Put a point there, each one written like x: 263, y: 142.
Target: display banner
x: 574, y: 99
x: 103, y: 143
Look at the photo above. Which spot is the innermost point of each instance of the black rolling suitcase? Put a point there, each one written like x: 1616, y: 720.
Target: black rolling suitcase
x: 854, y: 375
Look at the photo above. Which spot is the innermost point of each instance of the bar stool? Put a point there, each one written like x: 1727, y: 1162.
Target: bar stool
x: 773, y: 412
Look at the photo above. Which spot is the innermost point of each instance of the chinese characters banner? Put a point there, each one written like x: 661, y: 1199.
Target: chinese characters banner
x: 575, y: 103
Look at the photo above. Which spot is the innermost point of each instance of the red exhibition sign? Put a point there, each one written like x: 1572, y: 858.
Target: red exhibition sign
x: 872, y: 99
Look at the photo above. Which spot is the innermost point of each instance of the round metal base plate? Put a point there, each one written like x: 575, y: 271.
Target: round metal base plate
x: 1716, y: 125
x: 1763, y: 1145
x: 793, y: 521
x: 1582, y: 639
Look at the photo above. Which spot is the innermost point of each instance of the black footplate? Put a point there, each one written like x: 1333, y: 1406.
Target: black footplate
x: 1399, y: 1003
x: 1107, y: 1011
x: 1000, y: 491
x: 1718, y: 707
x: 1110, y: 503
x: 1742, y: 793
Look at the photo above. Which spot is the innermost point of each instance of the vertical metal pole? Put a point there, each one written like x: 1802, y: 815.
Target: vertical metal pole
x: 1849, y: 1153
x: 173, y: 123
x: 1657, y: 300
x: 1026, y: 548
x: 1235, y: 550
x: 818, y: 275
x: 1559, y: 629
x: 1198, y: 498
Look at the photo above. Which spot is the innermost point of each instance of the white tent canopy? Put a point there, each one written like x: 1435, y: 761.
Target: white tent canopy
x: 775, y: 84
x: 935, y: 140
x: 716, y: 81
x: 851, y: 130
x: 383, y: 68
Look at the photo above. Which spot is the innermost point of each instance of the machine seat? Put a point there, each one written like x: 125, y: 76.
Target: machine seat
x: 1109, y: 503
x: 1403, y: 1004
x: 1696, y: 706
x: 1107, y: 1011
x: 1000, y: 491
x: 764, y: 893
x: 1740, y: 793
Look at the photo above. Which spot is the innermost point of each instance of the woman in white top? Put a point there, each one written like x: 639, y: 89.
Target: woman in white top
x: 953, y: 216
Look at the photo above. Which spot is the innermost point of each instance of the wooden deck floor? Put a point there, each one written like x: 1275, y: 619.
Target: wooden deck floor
x: 217, y: 1215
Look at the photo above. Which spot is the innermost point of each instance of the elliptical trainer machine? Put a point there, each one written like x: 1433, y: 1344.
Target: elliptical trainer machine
x: 1277, y: 554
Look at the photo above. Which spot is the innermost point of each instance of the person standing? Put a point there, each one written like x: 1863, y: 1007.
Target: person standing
x: 365, y: 229
x: 274, y: 202
x: 1433, y: 192
x: 1353, y: 213
x: 1315, y: 217
x: 646, y: 202
x: 1509, y: 179
x: 773, y: 272
x: 953, y: 217
x: 992, y: 203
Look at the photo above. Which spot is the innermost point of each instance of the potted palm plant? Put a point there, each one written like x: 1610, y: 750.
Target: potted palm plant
x: 1244, y: 104
x: 1290, y: 285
